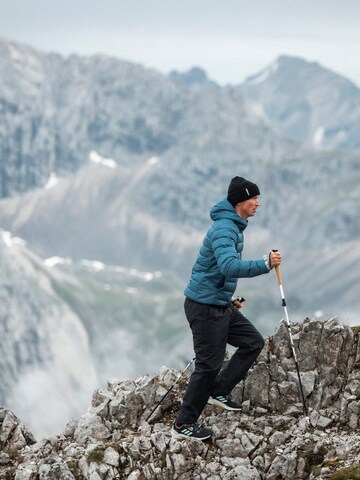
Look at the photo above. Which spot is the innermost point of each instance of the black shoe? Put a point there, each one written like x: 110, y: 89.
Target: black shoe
x: 224, y: 401
x: 192, y: 430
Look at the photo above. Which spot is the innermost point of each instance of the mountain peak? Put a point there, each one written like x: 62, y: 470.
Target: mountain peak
x: 307, y: 102
x: 284, y: 65
x: 195, y: 76
x: 293, y: 68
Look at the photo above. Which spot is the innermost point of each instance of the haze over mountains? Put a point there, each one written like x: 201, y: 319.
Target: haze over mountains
x: 173, y: 143
x: 105, y: 160
x: 66, y: 327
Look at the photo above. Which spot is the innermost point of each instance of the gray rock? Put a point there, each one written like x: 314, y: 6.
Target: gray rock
x: 277, y: 439
x: 111, y: 457
x: 252, y: 445
x: 13, y: 434
x: 323, y: 422
x: 245, y: 472
x: 90, y: 427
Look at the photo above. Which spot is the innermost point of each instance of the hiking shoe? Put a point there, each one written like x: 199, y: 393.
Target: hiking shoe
x: 224, y: 401
x: 192, y: 430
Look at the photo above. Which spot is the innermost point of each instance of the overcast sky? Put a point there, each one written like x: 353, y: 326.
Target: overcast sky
x: 230, y: 39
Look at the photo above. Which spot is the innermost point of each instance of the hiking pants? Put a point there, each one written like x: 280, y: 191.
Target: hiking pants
x: 212, y: 328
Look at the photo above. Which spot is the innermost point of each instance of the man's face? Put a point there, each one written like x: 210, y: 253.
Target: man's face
x: 248, y: 208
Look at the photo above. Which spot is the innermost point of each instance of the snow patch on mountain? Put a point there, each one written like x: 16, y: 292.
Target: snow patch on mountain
x: 52, y: 181
x: 153, y: 161
x: 147, y: 276
x: 94, y: 157
x: 95, y: 265
x: 263, y: 74
x: 53, y: 261
x: 9, y: 240
x: 319, y: 136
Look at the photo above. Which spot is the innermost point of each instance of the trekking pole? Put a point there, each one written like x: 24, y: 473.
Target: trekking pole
x: 277, y: 270
x: 167, y: 393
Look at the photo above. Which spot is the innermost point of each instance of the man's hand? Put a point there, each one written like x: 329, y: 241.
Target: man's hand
x: 275, y: 259
x: 238, y: 302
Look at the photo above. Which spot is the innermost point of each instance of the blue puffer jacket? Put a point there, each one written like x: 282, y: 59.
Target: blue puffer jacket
x: 219, y: 265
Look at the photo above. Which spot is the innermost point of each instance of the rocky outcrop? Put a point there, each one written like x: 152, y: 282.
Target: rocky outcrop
x: 329, y: 360
x: 270, y: 439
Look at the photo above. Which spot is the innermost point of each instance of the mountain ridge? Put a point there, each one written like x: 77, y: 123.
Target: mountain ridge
x: 105, y: 161
x: 270, y: 439
x: 107, y: 102
x: 308, y: 103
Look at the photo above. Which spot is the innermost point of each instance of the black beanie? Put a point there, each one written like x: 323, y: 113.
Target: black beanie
x: 241, y: 189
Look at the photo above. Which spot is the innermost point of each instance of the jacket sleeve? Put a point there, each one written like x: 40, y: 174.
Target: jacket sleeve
x: 224, y: 247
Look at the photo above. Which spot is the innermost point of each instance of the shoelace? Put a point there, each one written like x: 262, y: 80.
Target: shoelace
x: 196, y: 427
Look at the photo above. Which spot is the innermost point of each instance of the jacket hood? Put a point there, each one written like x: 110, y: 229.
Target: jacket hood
x: 224, y: 210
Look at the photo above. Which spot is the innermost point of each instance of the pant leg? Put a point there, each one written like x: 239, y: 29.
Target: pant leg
x: 245, y: 336
x: 210, y: 328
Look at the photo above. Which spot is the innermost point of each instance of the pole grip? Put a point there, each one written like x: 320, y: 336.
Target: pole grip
x: 277, y: 270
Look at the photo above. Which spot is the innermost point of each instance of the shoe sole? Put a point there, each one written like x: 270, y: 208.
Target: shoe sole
x: 180, y: 436
x: 212, y: 401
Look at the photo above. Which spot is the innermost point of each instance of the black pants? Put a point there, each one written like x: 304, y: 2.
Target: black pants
x: 212, y: 328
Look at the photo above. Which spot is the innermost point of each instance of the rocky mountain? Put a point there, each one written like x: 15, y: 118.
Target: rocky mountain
x: 105, y: 161
x: 271, y: 439
x: 306, y: 102
x: 193, y: 140
x: 65, y: 327
x: 195, y: 78
x: 55, y: 110
x: 44, y: 347
x: 151, y: 217
x: 100, y: 213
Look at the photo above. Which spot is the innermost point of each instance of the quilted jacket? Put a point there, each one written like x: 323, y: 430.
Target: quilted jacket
x: 218, y: 265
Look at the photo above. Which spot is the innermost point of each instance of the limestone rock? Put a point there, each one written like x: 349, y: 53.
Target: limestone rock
x: 270, y: 439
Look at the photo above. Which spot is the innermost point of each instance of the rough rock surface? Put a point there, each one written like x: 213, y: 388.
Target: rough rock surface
x: 271, y: 438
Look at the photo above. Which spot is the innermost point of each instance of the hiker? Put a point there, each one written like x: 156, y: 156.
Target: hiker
x: 213, y: 318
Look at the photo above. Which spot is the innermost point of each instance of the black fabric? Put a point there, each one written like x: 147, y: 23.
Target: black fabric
x: 240, y: 190
x: 212, y: 328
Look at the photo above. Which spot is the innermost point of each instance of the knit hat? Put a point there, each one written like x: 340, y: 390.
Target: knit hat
x: 241, y: 189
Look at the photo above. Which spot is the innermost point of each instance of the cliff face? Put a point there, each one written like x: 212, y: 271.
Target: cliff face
x: 44, y: 347
x: 55, y: 110
x: 270, y: 439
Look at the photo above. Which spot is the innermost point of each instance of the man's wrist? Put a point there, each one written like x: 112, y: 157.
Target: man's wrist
x: 267, y: 261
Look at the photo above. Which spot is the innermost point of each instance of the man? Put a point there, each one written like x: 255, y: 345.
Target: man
x: 213, y: 318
